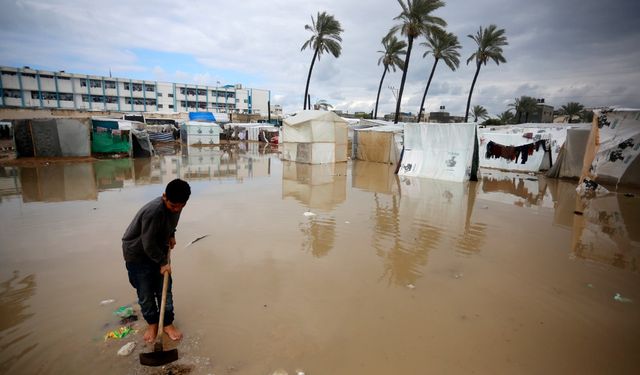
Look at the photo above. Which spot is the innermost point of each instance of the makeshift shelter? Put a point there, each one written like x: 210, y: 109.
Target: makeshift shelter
x: 51, y: 138
x: 111, y: 136
x: 381, y: 144
x: 257, y: 132
x: 438, y: 151
x: 314, y: 137
x: 200, y: 133
x: 202, y: 116
x: 613, y: 147
x: 571, y: 156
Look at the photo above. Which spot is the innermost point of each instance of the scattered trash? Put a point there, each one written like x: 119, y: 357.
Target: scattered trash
x: 589, y: 189
x: 457, y: 276
x: 629, y: 195
x: 119, y: 333
x: 309, y: 214
x: 411, y: 286
x: 106, y: 302
x: 622, y: 299
x: 127, y: 349
x: 196, y: 240
x: 578, y: 213
x: 590, y: 286
x: 280, y: 372
x: 124, y: 311
x: 299, y: 372
x: 347, y: 222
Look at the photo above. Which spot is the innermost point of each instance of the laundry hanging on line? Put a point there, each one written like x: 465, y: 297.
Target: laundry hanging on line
x: 513, y: 153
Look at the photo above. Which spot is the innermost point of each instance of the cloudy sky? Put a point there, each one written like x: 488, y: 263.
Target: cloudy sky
x: 561, y: 50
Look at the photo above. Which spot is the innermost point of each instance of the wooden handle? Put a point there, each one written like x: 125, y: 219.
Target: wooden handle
x: 165, y: 286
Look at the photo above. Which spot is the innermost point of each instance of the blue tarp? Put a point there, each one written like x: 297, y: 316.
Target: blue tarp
x: 201, y: 116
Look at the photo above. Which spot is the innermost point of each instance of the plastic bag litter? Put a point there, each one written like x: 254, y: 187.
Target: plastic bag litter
x: 119, y: 333
x: 622, y: 299
x: 589, y: 189
x: 106, y: 302
x: 309, y: 214
x: 124, y: 311
x: 127, y: 349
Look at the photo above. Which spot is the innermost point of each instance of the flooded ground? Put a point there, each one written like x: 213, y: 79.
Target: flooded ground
x: 390, y: 276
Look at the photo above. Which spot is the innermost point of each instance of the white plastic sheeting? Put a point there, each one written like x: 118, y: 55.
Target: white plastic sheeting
x: 381, y: 144
x: 616, y: 159
x: 200, y: 133
x: 314, y: 137
x: 518, y: 153
x: 438, y: 151
x: 569, y: 161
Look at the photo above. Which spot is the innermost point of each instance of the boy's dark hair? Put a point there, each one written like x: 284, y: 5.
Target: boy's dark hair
x: 178, y: 191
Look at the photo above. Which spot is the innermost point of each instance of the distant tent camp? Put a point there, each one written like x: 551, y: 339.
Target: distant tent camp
x: 51, y: 138
x: 438, y: 151
x: 314, y: 137
x: 613, y: 147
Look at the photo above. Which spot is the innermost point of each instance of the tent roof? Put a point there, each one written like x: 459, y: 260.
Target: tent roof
x: 305, y: 116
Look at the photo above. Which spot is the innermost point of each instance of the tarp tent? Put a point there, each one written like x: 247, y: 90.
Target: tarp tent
x: 110, y: 135
x: 202, y: 116
x: 200, y: 133
x: 52, y: 138
x: 314, y: 137
x: 571, y: 156
x: 438, y: 151
x: 381, y: 144
x: 615, y: 141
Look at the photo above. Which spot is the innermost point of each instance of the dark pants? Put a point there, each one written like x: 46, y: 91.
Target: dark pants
x: 147, y: 280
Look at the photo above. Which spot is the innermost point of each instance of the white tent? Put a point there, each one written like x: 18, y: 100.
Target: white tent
x: 200, y: 133
x: 314, y: 137
x: 571, y: 156
x: 381, y: 144
x: 612, y: 155
x: 438, y: 151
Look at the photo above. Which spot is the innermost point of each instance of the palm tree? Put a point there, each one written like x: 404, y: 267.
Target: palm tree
x: 572, y: 109
x: 326, y: 38
x: 506, y: 117
x: 415, y: 20
x: 490, y: 42
x: 523, y: 106
x: 445, y: 46
x: 479, y: 111
x: 390, y: 58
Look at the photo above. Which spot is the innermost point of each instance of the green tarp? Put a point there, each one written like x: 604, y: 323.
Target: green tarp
x: 107, y: 143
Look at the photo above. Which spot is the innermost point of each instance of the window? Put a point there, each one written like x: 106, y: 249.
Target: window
x: 182, y: 90
x: 160, y: 106
x: 64, y: 78
x: 151, y: 102
x: 159, y: 94
x: 137, y: 87
x: 126, y: 86
x: 112, y: 99
x: 109, y: 85
x: 150, y: 88
x: 66, y: 97
x: 8, y: 73
x: 46, y: 76
x: 95, y: 83
x: 30, y: 75
x: 171, y: 106
x: 202, y: 92
x: 83, y: 83
x: 170, y: 95
x: 7, y: 93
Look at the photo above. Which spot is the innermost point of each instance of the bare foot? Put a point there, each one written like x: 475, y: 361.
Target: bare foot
x: 173, y: 332
x: 151, y: 333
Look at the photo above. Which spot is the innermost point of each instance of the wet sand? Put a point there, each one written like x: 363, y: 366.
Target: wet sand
x: 390, y: 276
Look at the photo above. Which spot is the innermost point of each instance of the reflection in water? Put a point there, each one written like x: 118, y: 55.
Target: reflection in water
x: 607, y: 231
x: 426, y: 213
x: 374, y: 177
x: 320, y: 234
x: 317, y: 186
x: 58, y: 182
x: 9, y: 182
x: 529, y: 189
x: 14, y: 296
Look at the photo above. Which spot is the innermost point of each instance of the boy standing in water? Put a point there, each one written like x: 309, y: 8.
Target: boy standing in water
x: 145, y: 246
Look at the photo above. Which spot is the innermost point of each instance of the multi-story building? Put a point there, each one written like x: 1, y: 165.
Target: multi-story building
x: 31, y: 88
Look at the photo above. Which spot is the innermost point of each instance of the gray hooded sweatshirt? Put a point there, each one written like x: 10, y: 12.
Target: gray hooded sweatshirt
x: 147, y: 237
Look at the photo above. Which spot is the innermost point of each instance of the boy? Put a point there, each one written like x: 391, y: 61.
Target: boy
x: 145, y: 246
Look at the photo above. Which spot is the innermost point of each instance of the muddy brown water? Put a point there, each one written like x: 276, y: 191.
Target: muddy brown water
x: 391, y: 275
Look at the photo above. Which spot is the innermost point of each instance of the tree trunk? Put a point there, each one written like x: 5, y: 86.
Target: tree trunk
x: 404, y: 78
x: 375, y: 112
x: 427, y: 90
x: 306, y: 89
x: 466, y: 115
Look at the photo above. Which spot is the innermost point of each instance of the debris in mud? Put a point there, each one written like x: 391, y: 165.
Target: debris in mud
x: 124, y: 311
x: 174, y: 369
x: 578, y: 212
x: 590, y: 286
x: 119, y: 333
x: 458, y: 276
x: 129, y: 319
x: 629, y: 195
x: 196, y: 240
x: 347, y: 222
x: 107, y: 301
x: 590, y: 189
x: 127, y: 349
x: 411, y: 286
x: 309, y: 214
x: 622, y: 299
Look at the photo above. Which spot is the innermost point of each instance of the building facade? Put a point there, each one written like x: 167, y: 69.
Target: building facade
x: 31, y: 88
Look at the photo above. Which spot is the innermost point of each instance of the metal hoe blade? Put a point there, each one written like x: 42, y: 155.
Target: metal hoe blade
x: 158, y: 358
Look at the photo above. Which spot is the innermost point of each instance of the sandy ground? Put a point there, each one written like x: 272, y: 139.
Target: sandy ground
x: 390, y: 276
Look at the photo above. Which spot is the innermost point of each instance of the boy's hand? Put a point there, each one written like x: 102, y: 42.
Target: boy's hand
x: 172, y: 242
x: 165, y: 268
